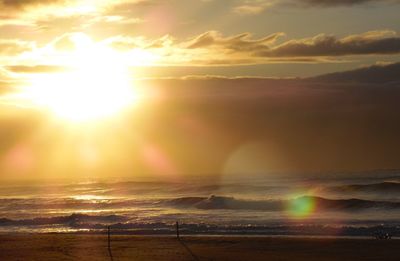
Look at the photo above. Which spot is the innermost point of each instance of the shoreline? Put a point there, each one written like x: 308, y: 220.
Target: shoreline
x: 182, y: 235
x: 221, y: 248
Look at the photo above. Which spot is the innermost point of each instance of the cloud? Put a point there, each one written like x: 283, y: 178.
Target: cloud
x: 329, y: 3
x: 321, y: 46
x: 126, y: 43
x: 36, y: 69
x: 13, y: 47
x: 379, y: 73
x: 79, y: 22
x: 54, y: 17
x: 240, y: 42
x: 63, y: 11
x: 252, y: 7
x: 374, y: 42
x: 8, y: 82
x: 20, y: 4
x: 212, y: 48
x: 255, y: 7
x: 335, y: 123
x: 294, y: 125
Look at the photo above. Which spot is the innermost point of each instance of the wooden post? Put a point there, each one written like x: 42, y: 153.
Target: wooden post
x: 177, y: 230
x: 109, y: 242
x: 109, y: 238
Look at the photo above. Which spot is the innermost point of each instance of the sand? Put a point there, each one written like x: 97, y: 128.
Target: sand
x: 94, y: 247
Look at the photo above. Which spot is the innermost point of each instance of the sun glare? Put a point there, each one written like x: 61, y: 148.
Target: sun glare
x: 97, y: 86
x: 83, y: 94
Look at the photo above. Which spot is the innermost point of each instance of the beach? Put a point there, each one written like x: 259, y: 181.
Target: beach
x: 220, y: 248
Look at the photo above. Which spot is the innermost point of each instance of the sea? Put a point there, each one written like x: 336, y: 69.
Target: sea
x: 323, y: 205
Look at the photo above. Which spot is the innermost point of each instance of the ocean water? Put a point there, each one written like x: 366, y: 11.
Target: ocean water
x: 358, y: 206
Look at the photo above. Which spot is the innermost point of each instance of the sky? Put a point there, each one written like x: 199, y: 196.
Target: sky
x: 202, y: 87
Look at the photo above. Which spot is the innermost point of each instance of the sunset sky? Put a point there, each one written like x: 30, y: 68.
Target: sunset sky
x: 174, y: 88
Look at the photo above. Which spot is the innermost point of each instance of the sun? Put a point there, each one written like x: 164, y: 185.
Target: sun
x: 97, y: 86
x: 84, y: 94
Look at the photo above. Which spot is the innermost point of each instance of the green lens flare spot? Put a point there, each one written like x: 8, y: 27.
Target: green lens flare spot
x: 302, y: 206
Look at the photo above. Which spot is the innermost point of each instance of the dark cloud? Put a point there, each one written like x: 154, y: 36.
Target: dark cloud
x: 298, y: 125
x: 380, y: 73
x: 328, y: 46
x: 327, y: 3
x: 206, y: 125
x: 256, y: 7
x: 375, y: 42
x: 18, y: 4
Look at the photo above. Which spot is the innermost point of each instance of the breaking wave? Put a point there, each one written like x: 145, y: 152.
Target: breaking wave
x: 71, y: 220
x: 383, y: 187
x: 336, y: 207
x: 122, y: 225
x: 219, y: 202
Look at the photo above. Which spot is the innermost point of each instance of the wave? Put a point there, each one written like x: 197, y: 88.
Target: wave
x: 349, y: 204
x: 319, y: 203
x: 121, y: 225
x: 383, y: 187
x: 72, y: 220
x: 212, y: 202
x: 11, y: 204
x: 219, y: 202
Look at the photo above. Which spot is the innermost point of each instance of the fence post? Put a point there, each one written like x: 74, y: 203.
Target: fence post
x: 109, y: 238
x: 109, y: 242
x: 177, y: 230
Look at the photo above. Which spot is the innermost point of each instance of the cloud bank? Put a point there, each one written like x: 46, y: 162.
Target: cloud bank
x: 328, y: 3
x: 267, y: 49
x: 339, y: 122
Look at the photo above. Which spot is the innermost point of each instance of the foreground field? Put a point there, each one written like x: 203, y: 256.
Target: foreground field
x: 140, y: 248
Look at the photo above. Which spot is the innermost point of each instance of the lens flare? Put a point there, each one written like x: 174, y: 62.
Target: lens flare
x: 301, y: 207
x: 159, y: 162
